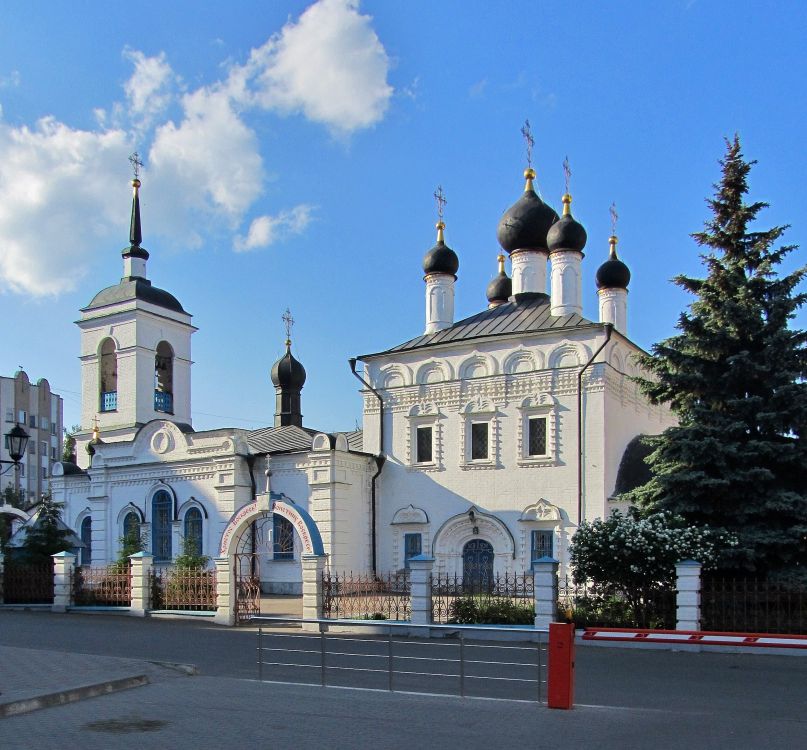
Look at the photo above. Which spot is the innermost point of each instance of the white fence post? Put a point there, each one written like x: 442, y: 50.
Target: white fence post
x: 141, y: 563
x: 420, y: 572
x: 2, y: 578
x: 688, y: 595
x: 313, y: 565
x: 64, y: 563
x: 545, y: 578
x: 225, y: 590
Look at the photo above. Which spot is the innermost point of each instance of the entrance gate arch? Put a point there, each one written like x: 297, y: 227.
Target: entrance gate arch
x: 248, y: 535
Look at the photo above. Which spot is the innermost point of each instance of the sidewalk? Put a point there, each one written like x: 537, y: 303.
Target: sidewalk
x: 31, y: 679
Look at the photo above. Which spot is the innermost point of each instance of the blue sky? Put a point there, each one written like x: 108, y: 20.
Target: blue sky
x: 291, y: 151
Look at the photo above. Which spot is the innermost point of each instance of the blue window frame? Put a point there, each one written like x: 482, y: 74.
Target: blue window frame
x: 412, y: 547
x: 541, y: 544
x: 131, y: 524
x: 282, y: 538
x: 193, y: 532
x: 161, y: 517
x: 86, y: 538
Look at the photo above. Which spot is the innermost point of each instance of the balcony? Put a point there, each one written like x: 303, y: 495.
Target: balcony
x: 109, y: 401
x: 164, y: 402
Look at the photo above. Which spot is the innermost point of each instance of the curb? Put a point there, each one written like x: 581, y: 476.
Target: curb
x: 61, y: 697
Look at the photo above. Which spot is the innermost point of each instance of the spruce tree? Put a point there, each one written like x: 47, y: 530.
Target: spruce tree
x: 734, y: 376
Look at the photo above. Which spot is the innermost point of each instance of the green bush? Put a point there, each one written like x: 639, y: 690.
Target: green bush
x: 479, y: 610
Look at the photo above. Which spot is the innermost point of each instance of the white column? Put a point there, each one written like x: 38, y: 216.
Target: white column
x: 567, y: 297
x: 529, y: 271
x: 688, y: 595
x: 141, y: 564
x: 313, y: 565
x: 225, y: 590
x: 64, y: 563
x: 614, y: 308
x: 176, y: 539
x: 420, y: 572
x: 545, y: 572
x: 2, y: 565
x: 439, y: 301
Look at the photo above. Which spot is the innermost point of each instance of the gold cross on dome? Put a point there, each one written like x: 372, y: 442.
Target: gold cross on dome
x: 289, y: 322
x: 614, y: 218
x: 567, y: 171
x: 440, y: 197
x: 526, y: 131
x: 134, y: 160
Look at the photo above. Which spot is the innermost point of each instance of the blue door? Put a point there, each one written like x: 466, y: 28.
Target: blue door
x: 477, y: 566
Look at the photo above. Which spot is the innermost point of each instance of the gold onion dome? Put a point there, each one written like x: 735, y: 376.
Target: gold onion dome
x: 525, y: 224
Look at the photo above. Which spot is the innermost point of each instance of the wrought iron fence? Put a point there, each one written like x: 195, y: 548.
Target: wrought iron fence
x: 501, y: 598
x: 106, y: 587
x: 749, y: 605
x: 186, y: 589
x: 592, y: 605
x: 27, y: 584
x: 366, y: 596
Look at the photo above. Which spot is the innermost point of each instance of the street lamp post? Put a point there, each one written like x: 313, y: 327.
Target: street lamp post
x: 16, y: 443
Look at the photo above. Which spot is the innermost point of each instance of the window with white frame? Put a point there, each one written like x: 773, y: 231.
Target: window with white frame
x: 22, y: 416
x: 536, y: 431
x: 479, y: 436
x: 423, y: 447
x: 541, y: 544
x: 413, y: 546
x: 9, y: 415
x: 424, y: 444
x: 480, y: 441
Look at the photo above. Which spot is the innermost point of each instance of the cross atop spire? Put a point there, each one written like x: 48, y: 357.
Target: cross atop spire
x: 134, y: 159
x: 526, y: 131
x: 614, y: 218
x: 289, y: 323
x: 440, y: 198
x: 612, y: 239
x: 567, y: 171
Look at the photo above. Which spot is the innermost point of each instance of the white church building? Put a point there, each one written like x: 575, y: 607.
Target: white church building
x: 485, y: 441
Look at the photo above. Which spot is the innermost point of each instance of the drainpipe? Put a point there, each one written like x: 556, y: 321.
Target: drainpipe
x: 609, y: 329
x: 379, y: 459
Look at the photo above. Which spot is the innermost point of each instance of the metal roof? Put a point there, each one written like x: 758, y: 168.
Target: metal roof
x: 529, y: 314
x: 293, y: 438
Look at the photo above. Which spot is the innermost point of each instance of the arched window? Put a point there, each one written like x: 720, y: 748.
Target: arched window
x: 164, y: 378
x: 108, y: 396
x: 86, y: 538
x: 282, y: 538
x: 161, y: 514
x: 193, y: 532
x: 131, y: 526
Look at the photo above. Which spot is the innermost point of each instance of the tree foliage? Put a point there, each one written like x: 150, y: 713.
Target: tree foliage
x: 734, y: 376
x: 46, y: 535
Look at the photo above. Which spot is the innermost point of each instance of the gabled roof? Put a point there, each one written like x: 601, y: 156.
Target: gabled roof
x: 293, y: 438
x: 530, y: 314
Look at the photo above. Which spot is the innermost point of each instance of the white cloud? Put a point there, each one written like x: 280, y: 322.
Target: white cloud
x: 148, y: 90
x: 57, y: 201
x: 11, y: 81
x: 265, y: 230
x: 330, y: 65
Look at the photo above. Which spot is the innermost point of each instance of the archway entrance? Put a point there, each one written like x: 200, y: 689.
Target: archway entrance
x: 249, y: 535
x: 477, y: 566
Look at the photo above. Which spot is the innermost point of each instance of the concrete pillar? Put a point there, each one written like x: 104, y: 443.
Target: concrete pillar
x: 140, y: 572
x: 420, y: 580
x: 176, y: 539
x: 64, y: 563
x: 225, y: 590
x: 313, y: 565
x: 688, y: 595
x: 439, y: 301
x: 545, y: 578
x: 2, y: 578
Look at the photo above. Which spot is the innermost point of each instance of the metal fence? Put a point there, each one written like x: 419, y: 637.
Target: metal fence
x: 104, y: 587
x: 590, y: 605
x: 185, y: 589
x: 366, y: 596
x: 507, y: 598
x: 28, y: 584
x: 461, y: 663
x: 748, y: 605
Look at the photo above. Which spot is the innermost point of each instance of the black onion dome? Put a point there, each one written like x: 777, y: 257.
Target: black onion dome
x: 566, y: 234
x: 441, y: 259
x: 132, y: 289
x: 525, y: 224
x: 613, y: 274
x: 500, y: 288
x: 288, y: 373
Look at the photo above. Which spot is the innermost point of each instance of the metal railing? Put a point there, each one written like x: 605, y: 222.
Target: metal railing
x: 27, y: 584
x: 371, y: 596
x: 109, y: 401
x: 103, y: 587
x: 506, y: 598
x: 749, y: 605
x: 186, y: 589
x: 461, y: 663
